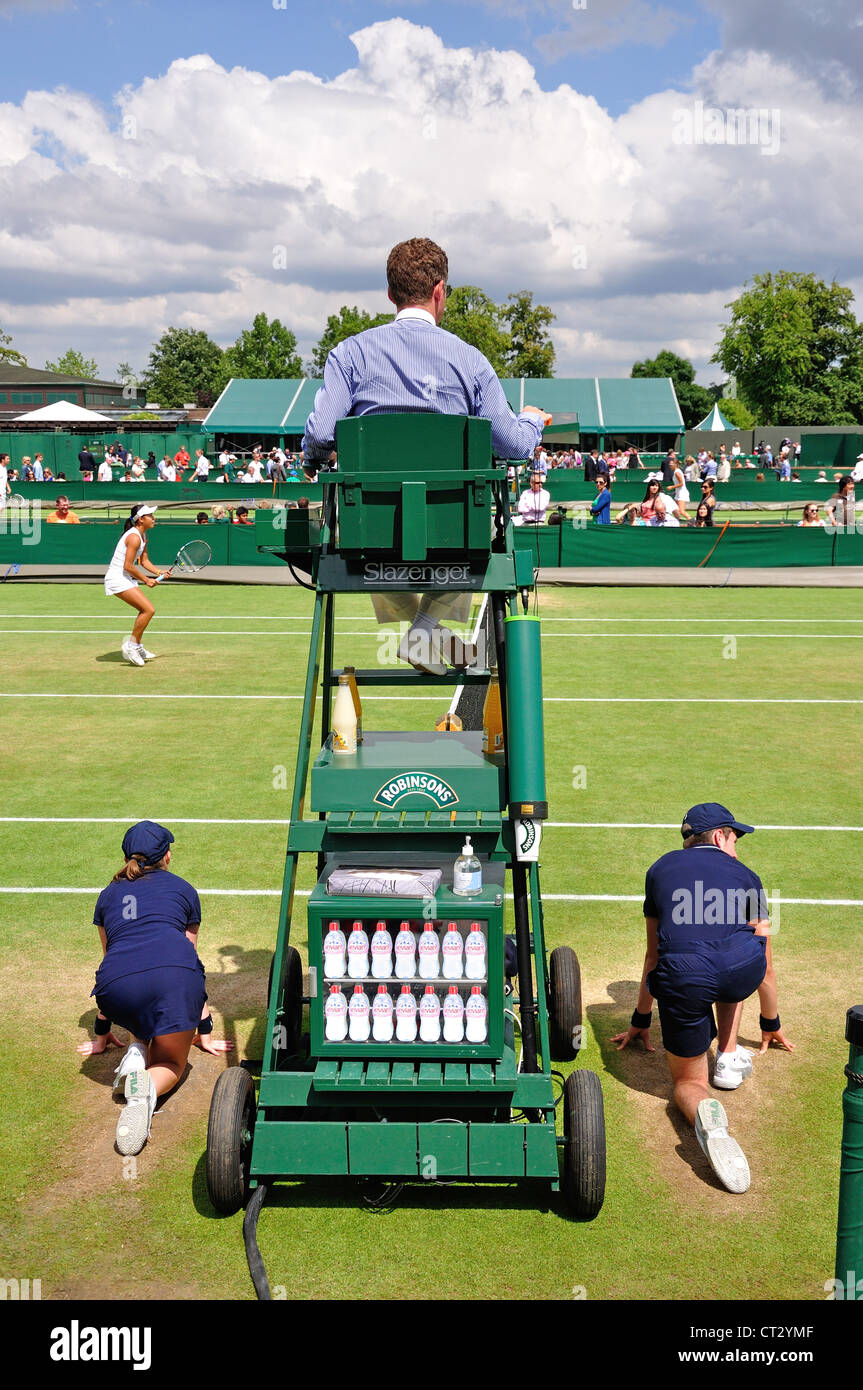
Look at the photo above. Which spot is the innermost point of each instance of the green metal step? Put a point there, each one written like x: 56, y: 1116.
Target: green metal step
x: 420, y: 1076
x: 407, y: 822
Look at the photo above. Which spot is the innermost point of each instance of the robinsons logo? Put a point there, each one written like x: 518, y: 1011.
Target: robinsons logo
x: 416, y: 784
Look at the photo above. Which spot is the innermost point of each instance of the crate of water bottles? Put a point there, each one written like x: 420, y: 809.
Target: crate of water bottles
x: 407, y: 979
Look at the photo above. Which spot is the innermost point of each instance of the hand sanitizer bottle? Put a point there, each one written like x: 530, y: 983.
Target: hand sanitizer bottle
x: 475, y: 1015
x: 336, y: 1014
x: 429, y: 1016
x: 453, y: 1016
x: 382, y: 953
x: 474, y: 953
x: 429, y: 953
x: 382, y: 1015
x: 358, y: 1012
x: 467, y: 873
x: 335, y: 947
x: 406, y: 1015
x: 452, y: 953
x: 406, y: 953
x: 358, y: 953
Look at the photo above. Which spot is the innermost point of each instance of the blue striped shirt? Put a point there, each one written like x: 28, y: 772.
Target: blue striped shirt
x: 408, y: 365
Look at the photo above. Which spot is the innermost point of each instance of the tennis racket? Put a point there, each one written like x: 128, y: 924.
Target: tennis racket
x: 16, y: 500
x: 191, y: 557
x: 12, y: 570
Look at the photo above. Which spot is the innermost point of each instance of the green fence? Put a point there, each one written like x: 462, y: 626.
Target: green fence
x: 60, y: 451
x: 92, y: 543
x: 125, y: 495
x: 653, y: 546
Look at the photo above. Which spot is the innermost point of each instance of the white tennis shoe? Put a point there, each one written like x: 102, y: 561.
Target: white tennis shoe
x: 731, y: 1069
x: 148, y: 656
x: 133, y: 1126
x: 131, y: 653
x: 133, y: 1059
x: 724, y: 1154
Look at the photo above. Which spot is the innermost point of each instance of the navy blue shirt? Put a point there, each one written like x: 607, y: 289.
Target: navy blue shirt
x: 145, y: 921
x: 702, y: 894
x: 601, y: 507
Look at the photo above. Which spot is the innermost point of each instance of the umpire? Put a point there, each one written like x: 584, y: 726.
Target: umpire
x: 707, y: 944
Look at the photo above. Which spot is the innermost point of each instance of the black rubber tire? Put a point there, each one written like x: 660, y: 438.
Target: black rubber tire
x: 584, y: 1154
x: 291, y: 1018
x: 229, y: 1140
x: 564, y: 1004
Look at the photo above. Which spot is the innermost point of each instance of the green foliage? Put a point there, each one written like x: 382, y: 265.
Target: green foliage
x: 736, y: 412
x: 8, y: 353
x: 266, y: 350
x: 694, y: 401
x: 477, y: 320
x: 795, y: 350
x: 343, y: 325
x: 531, y: 351
x: 184, y: 364
x: 74, y: 363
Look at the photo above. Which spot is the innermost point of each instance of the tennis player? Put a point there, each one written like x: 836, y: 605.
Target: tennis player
x: 130, y: 566
x: 151, y: 980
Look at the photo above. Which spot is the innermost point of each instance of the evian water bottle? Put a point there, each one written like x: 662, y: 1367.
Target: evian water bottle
x: 429, y: 951
x: 358, y: 1015
x: 474, y: 953
x: 453, y: 1016
x: 358, y: 952
x: 336, y: 1015
x: 382, y: 1015
x: 452, y: 951
x: 406, y: 953
x: 429, y: 1016
x: 335, y: 947
x: 382, y: 953
x: 475, y: 1015
x: 406, y: 1015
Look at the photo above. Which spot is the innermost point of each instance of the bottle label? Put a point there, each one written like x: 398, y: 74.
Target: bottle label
x: 464, y: 882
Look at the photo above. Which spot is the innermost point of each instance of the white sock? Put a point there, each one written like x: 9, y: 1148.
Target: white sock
x: 726, y: 1056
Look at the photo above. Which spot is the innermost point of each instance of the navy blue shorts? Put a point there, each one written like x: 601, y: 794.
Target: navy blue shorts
x: 687, y: 983
x: 150, y: 1003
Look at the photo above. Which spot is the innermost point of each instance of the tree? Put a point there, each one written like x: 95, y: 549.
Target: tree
x: 74, y: 363
x: 477, y: 320
x: 795, y: 350
x: 531, y: 351
x: 267, y: 349
x: 183, y: 363
x: 8, y: 354
x: 694, y: 401
x: 343, y: 325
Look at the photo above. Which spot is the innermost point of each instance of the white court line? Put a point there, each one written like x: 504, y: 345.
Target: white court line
x: 434, y: 699
x: 547, y: 897
x: 548, y: 825
x: 363, y: 618
x: 159, y: 632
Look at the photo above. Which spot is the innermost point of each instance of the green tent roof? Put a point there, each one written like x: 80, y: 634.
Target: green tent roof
x: 609, y: 405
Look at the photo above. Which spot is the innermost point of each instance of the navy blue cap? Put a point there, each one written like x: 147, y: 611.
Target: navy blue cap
x: 147, y: 839
x: 709, y: 815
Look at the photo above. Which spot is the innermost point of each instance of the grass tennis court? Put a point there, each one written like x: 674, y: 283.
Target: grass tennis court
x: 655, y: 699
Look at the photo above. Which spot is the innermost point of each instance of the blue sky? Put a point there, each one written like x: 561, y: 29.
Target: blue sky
x: 98, y: 45
x: 632, y: 162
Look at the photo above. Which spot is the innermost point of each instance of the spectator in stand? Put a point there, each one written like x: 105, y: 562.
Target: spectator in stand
x: 708, y: 494
x: 593, y: 466
x: 127, y: 477
x: 710, y: 467
x: 106, y: 472
x: 202, y: 467
x: 242, y: 517
x: 533, y: 504
x: 691, y: 469
x: 703, y: 515
x: 63, y: 515
x: 202, y: 519
x: 151, y: 460
x: 735, y: 450
x: 38, y: 469
x: 219, y: 514
x: 785, y: 466
x: 822, y: 477
x: 47, y: 475
x: 138, y: 470
x: 810, y: 515
x: 181, y: 459
x: 663, y: 515
x: 630, y: 515
x: 167, y: 470
x: 652, y: 493
x: 795, y: 477
x: 600, y: 507
x: 27, y: 469
x: 723, y: 469
x: 5, y: 489
x: 840, y: 507
x: 86, y: 463
x: 254, y: 471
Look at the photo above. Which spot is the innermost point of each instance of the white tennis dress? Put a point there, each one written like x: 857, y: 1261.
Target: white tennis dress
x: 118, y: 579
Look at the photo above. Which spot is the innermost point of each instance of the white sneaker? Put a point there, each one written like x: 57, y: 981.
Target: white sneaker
x: 131, y: 653
x: 724, y: 1154
x: 421, y: 648
x: 148, y: 656
x: 730, y: 1070
x: 133, y: 1059
x: 133, y: 1126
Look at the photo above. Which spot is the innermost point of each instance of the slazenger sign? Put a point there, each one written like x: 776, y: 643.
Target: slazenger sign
x: 416, y: 784
x: 417, y: 574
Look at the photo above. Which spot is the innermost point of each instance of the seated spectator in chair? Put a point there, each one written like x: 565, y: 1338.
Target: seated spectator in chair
x: 810, y: 516
x: 241, y: 517
x: 202, y: 519
x: 631, y: 515
x: 600, y: 507
x: 533, y: 504
x: 219, y: 514
x: 63, y: 514
x: 703, y: 515
x: 663, y: 515
x: 708, y: 493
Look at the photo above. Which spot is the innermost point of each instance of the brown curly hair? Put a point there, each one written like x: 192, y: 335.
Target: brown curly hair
x: 413, y: 269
